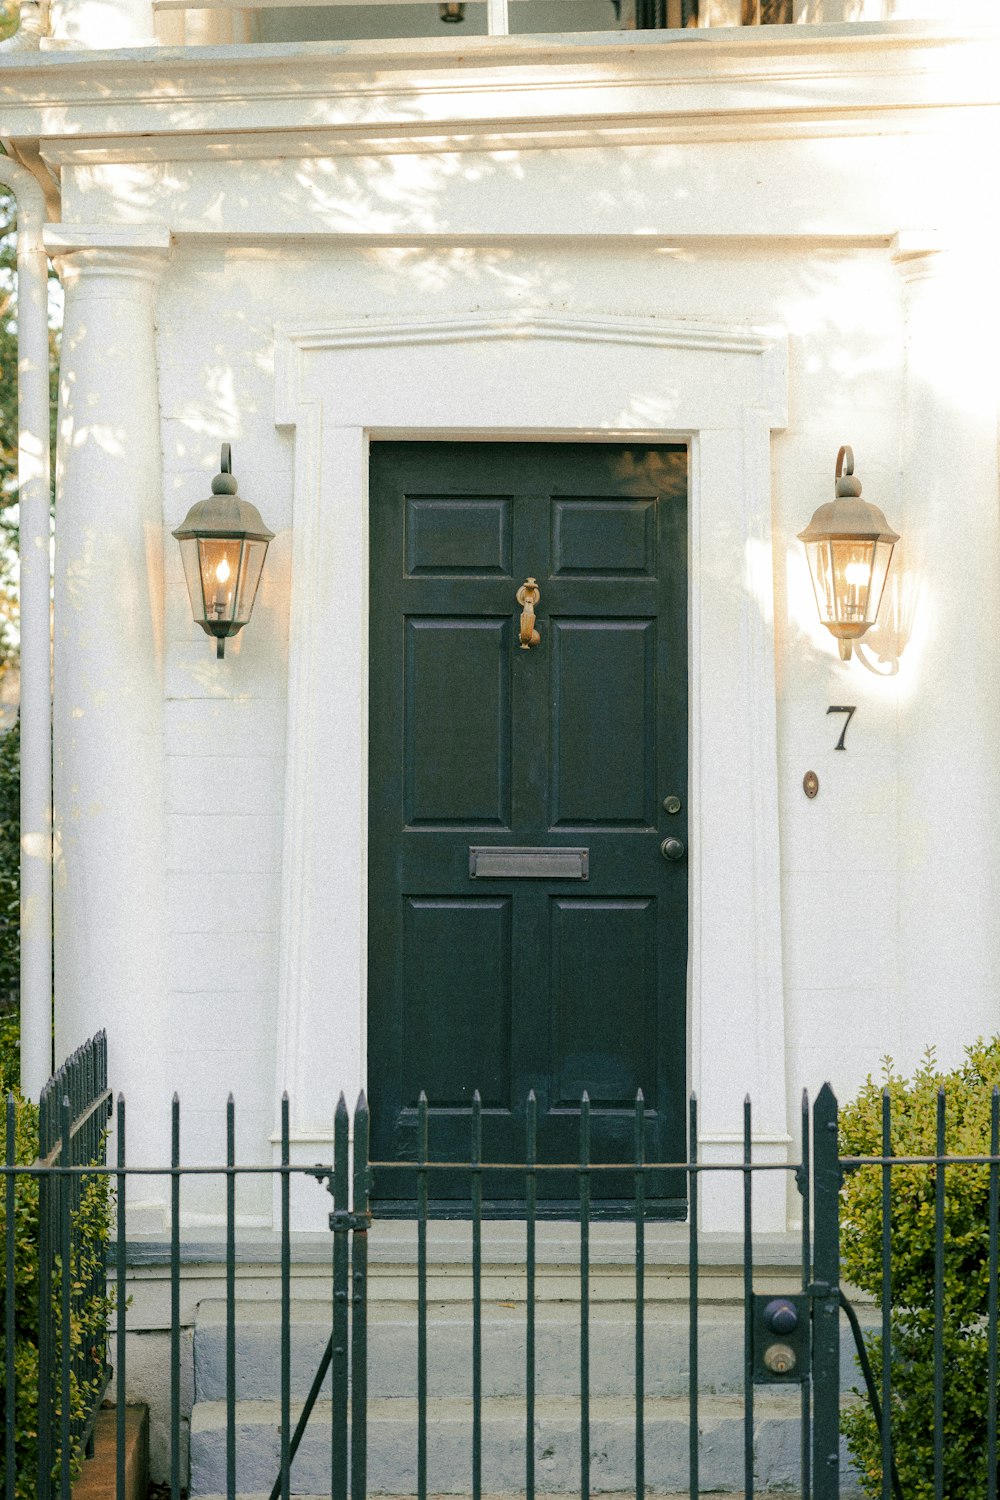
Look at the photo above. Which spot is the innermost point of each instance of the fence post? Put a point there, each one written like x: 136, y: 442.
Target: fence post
x: 339, y: 1382
x: 825, y: 1293
x: 359, y: 1304
x: 45, y: 1403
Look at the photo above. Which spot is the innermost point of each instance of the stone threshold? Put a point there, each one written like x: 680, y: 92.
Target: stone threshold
x: 393, y: 1242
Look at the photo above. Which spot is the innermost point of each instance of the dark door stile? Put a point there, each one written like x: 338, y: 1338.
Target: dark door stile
x: 507, y: 985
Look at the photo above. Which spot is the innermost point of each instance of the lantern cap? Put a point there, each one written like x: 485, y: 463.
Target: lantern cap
x: 224, y: 513
x: 848, y: 517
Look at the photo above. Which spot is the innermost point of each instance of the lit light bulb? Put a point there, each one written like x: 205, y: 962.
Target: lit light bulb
x: 222, y: 572
x: 856, y: 573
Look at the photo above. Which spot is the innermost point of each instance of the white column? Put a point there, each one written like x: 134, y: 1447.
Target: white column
x: 101, y: 24
x: 108, y: 691
x: 949, y: 677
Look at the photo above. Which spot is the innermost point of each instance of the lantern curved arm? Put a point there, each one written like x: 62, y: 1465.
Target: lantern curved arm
x: 845, y: 456
x: 861, y: 649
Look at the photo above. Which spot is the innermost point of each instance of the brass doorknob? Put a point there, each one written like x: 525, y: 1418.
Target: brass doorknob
x: 672, y: 849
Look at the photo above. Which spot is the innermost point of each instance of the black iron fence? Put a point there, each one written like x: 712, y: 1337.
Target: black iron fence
x: 790, y: 1338
x: 57, y: 1218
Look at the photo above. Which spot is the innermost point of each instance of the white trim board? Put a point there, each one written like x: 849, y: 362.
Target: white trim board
x: 538, y: 375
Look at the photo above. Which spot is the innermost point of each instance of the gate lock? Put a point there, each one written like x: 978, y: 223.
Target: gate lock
x: 780, y: 1339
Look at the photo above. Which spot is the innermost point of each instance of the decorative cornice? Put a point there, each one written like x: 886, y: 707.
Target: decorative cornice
x: 601, y: 87
x: 660, y: 127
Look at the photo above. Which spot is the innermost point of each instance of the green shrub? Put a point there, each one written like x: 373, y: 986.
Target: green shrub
x: 91, y: 1310
x: 968, y: 1092
x: 10, y: 1052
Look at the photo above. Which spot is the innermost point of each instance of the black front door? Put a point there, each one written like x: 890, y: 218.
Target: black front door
x: 525, y: 929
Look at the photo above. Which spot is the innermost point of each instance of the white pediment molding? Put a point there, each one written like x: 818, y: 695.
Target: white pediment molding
x: 662, y: 333
x: 768, y: 346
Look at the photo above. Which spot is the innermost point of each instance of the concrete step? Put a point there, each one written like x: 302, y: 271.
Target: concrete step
x: 651, y: 1494
x: 392, y: 1350
x: 392, y: 1439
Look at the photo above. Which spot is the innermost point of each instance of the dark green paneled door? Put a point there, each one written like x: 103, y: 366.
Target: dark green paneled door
x: 496, y: 961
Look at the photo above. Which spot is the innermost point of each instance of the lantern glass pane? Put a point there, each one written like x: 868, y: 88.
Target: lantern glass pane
x: 880, y: 570
x: 852, y: 561
x: 254, y: 553
x: 192, y: 573
x: 220, y: 571
x: 848, y: 575
x: 821, y: 573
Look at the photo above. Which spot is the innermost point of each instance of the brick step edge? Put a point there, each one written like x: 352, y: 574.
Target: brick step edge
x: 98, y: 1477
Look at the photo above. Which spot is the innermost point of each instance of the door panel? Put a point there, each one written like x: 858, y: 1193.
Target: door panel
x: 602, y: 764
x: 603, y: 966
x: 470, y: 537
x: 571, y: 973
x: 603, y: 538
x: 457, y: 691
x: 451, y: 949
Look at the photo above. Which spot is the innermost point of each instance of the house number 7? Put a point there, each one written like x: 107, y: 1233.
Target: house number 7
x: 842, y: 708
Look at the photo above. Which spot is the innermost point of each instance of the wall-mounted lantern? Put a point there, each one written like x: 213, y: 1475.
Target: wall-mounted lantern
x: 849, y: 546
x: 223, y: 546
x: 452, y: 10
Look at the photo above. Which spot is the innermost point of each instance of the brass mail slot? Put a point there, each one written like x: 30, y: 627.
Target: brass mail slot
x: 504, y: 863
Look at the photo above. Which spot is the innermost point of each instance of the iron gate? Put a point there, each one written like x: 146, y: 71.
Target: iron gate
x: 791, y: 1337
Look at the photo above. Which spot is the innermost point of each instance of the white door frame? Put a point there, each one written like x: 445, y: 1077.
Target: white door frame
x: 538, y: 376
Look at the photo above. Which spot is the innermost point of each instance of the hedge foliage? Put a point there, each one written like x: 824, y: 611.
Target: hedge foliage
x: 968, y: 1094
x: 90, y: 1315
x: 92, y: 1218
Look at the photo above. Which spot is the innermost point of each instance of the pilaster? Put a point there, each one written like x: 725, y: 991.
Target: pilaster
x: 949, y: 833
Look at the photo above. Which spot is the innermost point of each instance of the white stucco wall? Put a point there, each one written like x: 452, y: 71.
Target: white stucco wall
x: 830, y: 194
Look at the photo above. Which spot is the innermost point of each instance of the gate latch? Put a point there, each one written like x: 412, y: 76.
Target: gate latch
x: 780, y: 1339
x: 342, y: 1220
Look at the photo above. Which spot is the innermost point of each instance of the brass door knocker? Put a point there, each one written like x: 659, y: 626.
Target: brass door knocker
x: 528, y: 596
